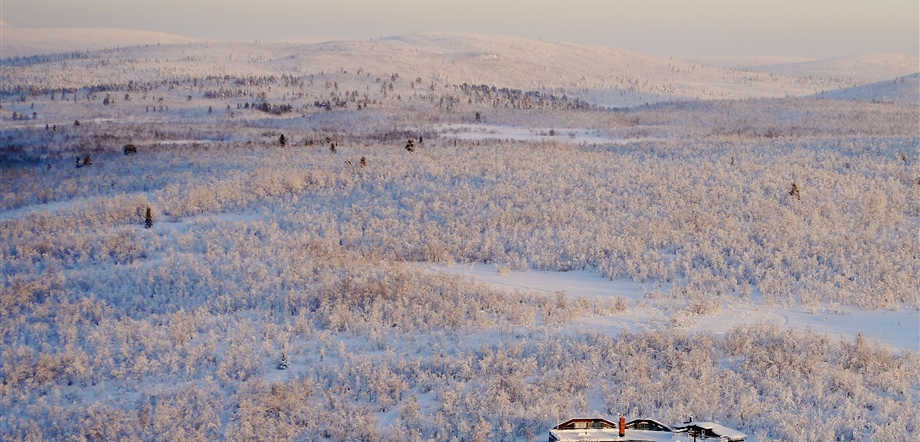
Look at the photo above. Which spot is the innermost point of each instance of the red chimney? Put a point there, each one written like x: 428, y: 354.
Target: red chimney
x: 622, y: 426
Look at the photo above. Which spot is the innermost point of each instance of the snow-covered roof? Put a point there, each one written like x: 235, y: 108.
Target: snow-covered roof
x: 612, y: 435
x: 647, y: 424
x: 715, y: 429
x: 595, y: 422
x: 603, y: 430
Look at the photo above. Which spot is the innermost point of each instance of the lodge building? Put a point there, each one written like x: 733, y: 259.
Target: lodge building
x: 641, y: 430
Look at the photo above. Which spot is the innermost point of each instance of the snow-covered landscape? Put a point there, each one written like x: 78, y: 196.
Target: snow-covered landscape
x: 652, y: 310
x: 451, y: 236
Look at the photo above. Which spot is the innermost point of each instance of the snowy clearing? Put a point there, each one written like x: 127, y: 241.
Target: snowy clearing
x: 897, y: 328
x: 482, y: 132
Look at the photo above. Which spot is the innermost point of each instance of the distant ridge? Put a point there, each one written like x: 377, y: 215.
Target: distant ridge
x: 599, y: 75
x: 743, y: 61
x: 609, y: 76
x: 904, y: 90
x: 26, y: 42
x: 868, y: 68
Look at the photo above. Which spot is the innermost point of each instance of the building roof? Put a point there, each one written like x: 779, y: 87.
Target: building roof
x: 603, y: 430
x: 647, y: 424
x: 713, y: 429
x: 591, y: 422
x: 612, y: 435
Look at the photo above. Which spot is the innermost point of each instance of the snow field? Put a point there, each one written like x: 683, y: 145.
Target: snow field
x: 646, y: 307
x: 484, y: 287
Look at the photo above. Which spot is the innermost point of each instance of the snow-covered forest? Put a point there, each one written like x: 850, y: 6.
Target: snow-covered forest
x: 252, y: 267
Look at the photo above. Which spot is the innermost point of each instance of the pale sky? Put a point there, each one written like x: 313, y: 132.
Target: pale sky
x: 804, y: 28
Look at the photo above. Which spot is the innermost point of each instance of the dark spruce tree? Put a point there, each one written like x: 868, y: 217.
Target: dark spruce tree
x: 148, y: 218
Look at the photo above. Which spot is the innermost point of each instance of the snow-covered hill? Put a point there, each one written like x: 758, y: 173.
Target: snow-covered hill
x: 601, y: 75
x: 905, y: 90
x: 26, y: 42
x: 865, y: 68
x: 743, y: 61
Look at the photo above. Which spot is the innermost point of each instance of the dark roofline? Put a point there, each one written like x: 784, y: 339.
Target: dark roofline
x: 586, y: 419
x: 631, y: 424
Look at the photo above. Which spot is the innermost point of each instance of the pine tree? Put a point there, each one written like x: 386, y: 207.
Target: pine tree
x: 148, y: 219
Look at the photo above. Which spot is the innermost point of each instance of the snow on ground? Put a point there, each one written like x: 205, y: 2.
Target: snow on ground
x: 899, y: 329
x: 606, y: 76
x: 742, y: 61
x: 867, y: 68
x: 478, y: 132
x: 52, y: 207
x: 905, y: 90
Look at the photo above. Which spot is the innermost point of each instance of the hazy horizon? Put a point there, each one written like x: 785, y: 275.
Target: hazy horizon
x: 819, y: 29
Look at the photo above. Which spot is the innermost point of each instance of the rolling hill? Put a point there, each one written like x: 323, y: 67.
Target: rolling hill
x: 905, y: 90
x: 601, y: 75
x: 26, y: 42
x: 865, y: 68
